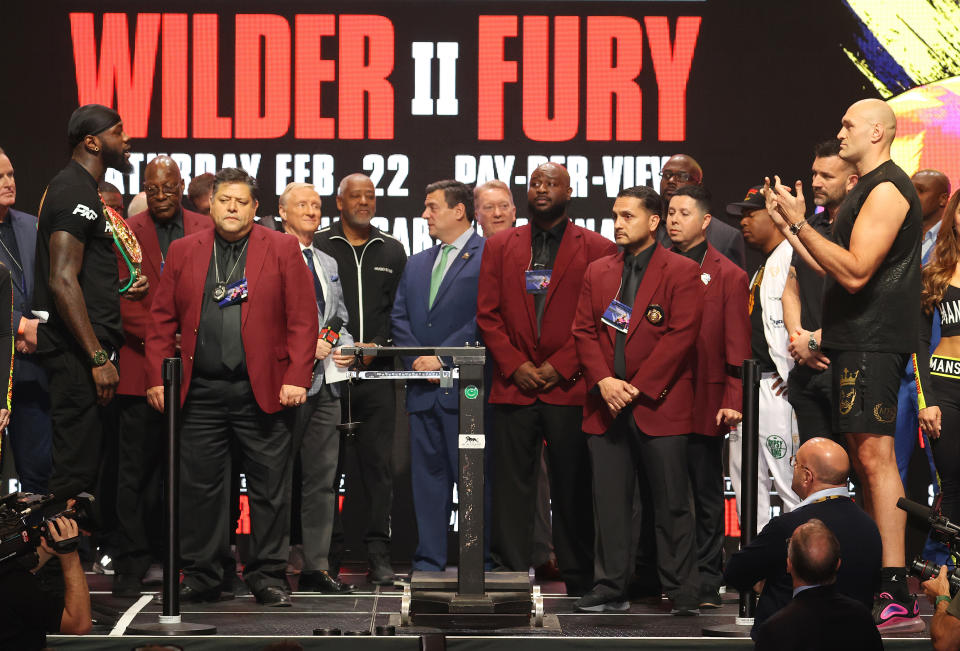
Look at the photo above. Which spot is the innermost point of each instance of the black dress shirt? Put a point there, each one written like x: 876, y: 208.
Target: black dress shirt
x: 219, y: 353
x: 544, y: 246
x: 634, y: 267
x: 169, y: 230
x: 695, y: 253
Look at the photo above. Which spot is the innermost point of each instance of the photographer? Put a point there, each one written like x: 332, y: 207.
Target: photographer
x: 27, y: 613
x: 945, y: 625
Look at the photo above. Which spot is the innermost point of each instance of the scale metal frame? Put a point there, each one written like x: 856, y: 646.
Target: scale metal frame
x: 474, y: 599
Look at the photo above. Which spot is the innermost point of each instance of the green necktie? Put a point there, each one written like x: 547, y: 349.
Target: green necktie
x: 437, y: 276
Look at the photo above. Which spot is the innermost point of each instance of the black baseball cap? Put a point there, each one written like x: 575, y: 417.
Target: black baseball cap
x: 752, y: 201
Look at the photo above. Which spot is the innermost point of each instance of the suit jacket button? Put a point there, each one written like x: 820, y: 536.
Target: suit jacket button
x: 429, y: 325
x: 191, y: 358
x: 196, y: 331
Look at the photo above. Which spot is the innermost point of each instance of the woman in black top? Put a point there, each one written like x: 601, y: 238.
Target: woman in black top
x: 938, y: 376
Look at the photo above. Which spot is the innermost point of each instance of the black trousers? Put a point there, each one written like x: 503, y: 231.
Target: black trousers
x: 521, y: 430
x: 216, y: 413
x: 78, y: 424
x: 374, y: 404
x: 661, y: 461
x: 139, y: 501
x: 705, y: 463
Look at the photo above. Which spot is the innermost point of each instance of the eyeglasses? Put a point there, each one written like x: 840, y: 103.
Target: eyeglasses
x: 168, y: 190
x: 682, y: 177
x: 794, y: 464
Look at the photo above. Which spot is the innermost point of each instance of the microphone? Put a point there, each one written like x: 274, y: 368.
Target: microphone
x: 331, y: 332
x: 915, y: 509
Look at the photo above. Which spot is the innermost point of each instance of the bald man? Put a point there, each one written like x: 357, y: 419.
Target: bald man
x: 818, y: 616
x: 680, y: 171
x: 871, y: 321
x: 532, y: 277
x: 370, y: 263
x: 141, y: 439
x: 820, y: 475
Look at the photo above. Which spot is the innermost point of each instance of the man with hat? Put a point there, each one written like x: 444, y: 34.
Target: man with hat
x: 77, y: 298
x: 768, y: 341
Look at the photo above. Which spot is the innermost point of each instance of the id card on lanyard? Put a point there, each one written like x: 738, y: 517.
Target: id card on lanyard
x: 537, y: 281
x: 617, y: 316
x: 236, y: 293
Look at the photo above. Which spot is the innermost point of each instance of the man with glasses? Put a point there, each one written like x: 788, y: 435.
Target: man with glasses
x: 682, y: 170
x: 141, y: 434
x: 821, y: 468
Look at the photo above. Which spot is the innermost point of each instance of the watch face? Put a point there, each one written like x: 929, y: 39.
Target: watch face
x: 99, y: 358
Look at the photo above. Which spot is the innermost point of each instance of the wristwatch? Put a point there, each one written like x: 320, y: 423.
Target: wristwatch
x: 99, y: 358
x: 812, y: 344
x: 795, y: 228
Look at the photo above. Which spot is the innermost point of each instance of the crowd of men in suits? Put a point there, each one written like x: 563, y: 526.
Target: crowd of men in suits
x: 619, y: 365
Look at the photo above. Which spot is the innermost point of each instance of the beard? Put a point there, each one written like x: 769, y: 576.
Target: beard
x: 549, y: 213
x: 114, y: 158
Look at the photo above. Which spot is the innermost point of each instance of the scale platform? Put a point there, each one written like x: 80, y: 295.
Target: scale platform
x: 432, y: 599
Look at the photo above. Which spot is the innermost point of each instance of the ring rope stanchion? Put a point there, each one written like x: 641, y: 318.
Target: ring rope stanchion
x: 749, y: 471
x: 169, y: 622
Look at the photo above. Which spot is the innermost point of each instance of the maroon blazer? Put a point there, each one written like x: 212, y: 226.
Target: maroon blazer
x: 724, y: 341
x: 278, y: 319
x: 659, y: 356
x: 136, y: 314
x: 508, y: 319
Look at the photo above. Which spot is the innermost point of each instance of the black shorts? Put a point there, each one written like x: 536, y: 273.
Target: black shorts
x: 809, y: 392
x: 865, y: 388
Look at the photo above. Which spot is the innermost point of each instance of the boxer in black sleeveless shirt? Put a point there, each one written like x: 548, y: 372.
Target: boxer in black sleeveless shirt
x: 871, y: 320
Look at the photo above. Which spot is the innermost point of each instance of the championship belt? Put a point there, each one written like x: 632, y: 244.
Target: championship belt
x: 126, y: 243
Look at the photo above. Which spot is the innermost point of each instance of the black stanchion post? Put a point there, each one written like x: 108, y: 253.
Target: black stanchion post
x: 750, y: 440
x: 172, y: 368
x: 169, y: 622
x: 749, y: 471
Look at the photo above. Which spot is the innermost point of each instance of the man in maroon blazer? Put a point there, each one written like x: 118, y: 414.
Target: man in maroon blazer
x: 530, y: 279
x: 723, y: 344
x: 636, y: 330
x: 140, y: 445
x: 243, y: 301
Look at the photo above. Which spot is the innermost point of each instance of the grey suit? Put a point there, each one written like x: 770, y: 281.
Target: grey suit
x: 30, y: 430
x: 315, y: 434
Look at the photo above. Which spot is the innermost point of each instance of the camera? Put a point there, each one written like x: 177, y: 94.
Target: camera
x: 942, y: 531
x: 24, y: 518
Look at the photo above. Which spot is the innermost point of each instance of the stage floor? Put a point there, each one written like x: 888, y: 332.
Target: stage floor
x: 243, y: 624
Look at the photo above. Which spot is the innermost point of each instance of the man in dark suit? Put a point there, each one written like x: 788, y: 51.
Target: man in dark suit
x: 243, y: 301
x: 722, y: 345
x: 681, y: 170
x: 537, y: 390
x: 30, y: 431
x: 436, y: 305
x: 818, y: 617
x: 636, y: 330
x: 821, y: 468
x: 141, y: 440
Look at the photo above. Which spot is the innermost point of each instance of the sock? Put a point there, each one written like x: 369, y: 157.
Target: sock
x: 894, y: 581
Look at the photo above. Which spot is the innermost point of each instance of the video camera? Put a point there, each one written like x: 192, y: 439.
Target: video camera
x: 942, y: 531
x: 24, y: 518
